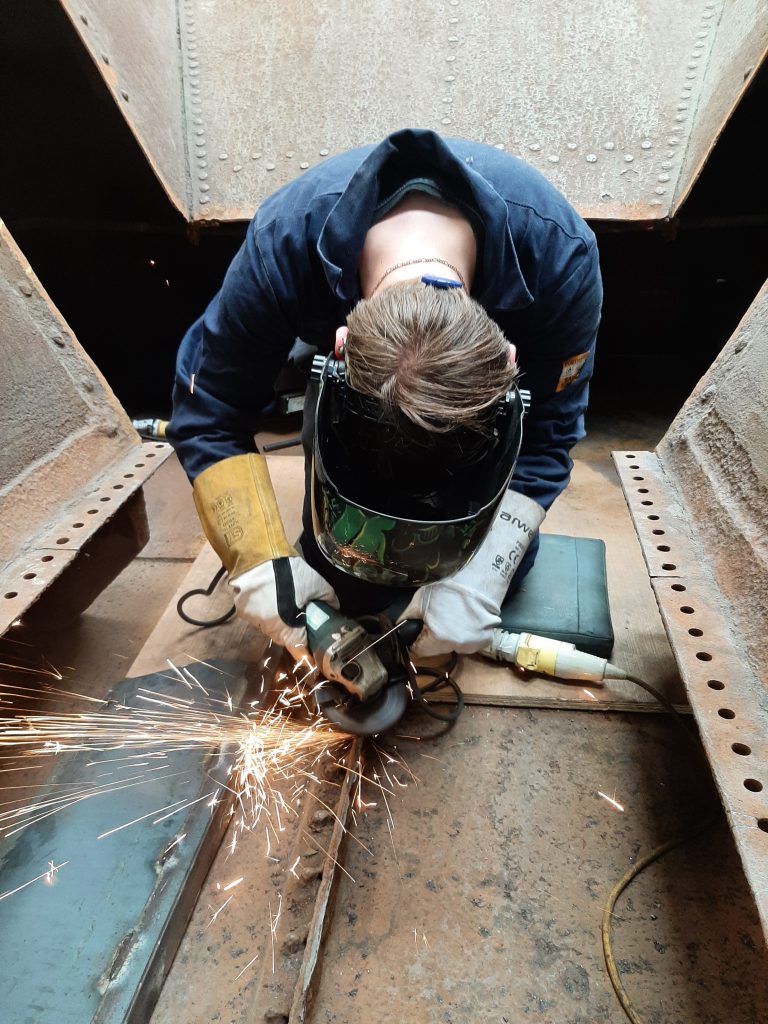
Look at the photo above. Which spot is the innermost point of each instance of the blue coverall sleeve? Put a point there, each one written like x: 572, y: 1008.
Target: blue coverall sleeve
x: 227, y: 364
x: 557, y: 365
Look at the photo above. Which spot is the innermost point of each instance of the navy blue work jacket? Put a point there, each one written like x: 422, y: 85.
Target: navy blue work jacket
x: 296, y: 276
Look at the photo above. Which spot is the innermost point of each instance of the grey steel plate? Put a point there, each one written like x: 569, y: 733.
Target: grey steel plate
x: 96, y: 942
x: 617, y: 103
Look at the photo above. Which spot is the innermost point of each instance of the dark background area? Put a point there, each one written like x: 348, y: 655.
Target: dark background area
x: 129, y: 276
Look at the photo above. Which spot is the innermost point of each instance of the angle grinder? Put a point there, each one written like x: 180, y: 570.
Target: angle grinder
x: 363, y: 663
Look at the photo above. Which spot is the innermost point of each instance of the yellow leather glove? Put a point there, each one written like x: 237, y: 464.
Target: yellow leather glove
x: 273, y: 584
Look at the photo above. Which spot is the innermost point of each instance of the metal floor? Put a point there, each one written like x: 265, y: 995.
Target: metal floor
x: 477, y: 895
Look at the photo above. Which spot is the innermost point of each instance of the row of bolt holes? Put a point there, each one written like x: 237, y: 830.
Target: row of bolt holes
x: 78, y: 526
x: 753, y: 785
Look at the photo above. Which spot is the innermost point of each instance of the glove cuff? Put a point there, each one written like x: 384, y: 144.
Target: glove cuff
x: 238, y: 511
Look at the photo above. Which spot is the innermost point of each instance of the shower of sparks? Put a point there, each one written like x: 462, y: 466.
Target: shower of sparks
x: 275, y: 756
x: 612, y: 801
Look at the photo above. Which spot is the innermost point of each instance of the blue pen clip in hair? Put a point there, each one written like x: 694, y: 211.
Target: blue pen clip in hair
x: 440, y: 282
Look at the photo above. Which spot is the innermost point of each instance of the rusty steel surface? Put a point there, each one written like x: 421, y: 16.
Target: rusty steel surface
x: 48, y: 553
x: 699, y: 505
x: 65, y: 438
x: 480, y: 899
x: 617, y: 103
x: 729, y: 700
x: 135, y: 47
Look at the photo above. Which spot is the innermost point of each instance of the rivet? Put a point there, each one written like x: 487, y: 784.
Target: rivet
x: 105, y: 58
x: 450, y: 59
x: 655, y: 202
x: 445, y: 120
x: 87, y: 384
x: 197, y: 120
x: 450, y: 78
x: 237, y: 167
x: 554, y: 159
x: 692, y: 65
x: 609, y: 146
x: 740, y: 345
x: 199, y: 131
x: 447, y: 99
x: 570, y: 145
x: 204, y: 188
x: 26, y: 289
x: 255, y: 156
x: 204, y: 199
x: 84, y: 19
x: 666, y: 164
x: 223, y: 156
x: 202, y: 163
x: 324, y: 152
x: 453, y: 39
x: 628, y: 158
x: 683, y: 106
x: 646, y: 144
x: 453, y: 21
x: 290, y: 154
x: 124, y: 94
x: 535, y: 147
x: 60, y: 343
x: 203, y: 175
x: 709, y: 392
x: 499, y: 145
x: 194, y: 73
x: 659, y: 190
x: 591, y: 158
x: 270, y: 167
x: 605, y: 196
x: 672, y: 142
x: 663, y: 177
x: 690, y: 74
x: 679, y: 117
x: 303, y: 165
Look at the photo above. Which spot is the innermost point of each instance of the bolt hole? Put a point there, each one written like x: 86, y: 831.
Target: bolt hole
x: 638, y: 478
x: 663, y: 547
x: 658, y: 533
x: 704, y: 656
x: 715, y: 684
x: 47, y: 558
x: 696, y: 632
x: 105, y: 499
x: 727, y: 713
x: 762, y: 824
x: 149, y: 455
x: 654, y: 518
x: 634, y: 467
x: 77, y: 526
x: 646, y: 502
x: 668, y: 566
x: 159, y: 446
x: 686, y: 609
x: 642, y: 490
x: 118, y: 487
x: 741, y: 748
x: 630, y: 456
x: 753, y: 785
x: 138, y: 465
x: 63, y: 540
x: 93, y: 511
x: 678, y: 587
x: 30, y: 575
x: 11, y: 593
x: 127, y: 476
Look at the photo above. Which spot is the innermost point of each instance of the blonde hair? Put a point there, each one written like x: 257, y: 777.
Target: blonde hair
x: 434, y: 354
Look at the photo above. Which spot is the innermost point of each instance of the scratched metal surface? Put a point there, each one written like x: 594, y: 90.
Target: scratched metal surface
x: 485, y: 901
x: 618, y: 102
x: 96, y: 944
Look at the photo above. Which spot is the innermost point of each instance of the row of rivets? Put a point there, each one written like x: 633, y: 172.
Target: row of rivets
x: 104, y: 57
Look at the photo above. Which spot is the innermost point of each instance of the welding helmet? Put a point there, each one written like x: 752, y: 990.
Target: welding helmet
x: 392, y: 506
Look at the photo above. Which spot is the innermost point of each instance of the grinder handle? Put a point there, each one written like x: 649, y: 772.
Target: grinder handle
x: 409, y: 631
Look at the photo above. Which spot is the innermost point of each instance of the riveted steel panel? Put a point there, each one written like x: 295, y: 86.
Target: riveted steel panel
x: 64, y: 435
x: 700, y: 507
x: 135, y: 47
x: 618, y: 103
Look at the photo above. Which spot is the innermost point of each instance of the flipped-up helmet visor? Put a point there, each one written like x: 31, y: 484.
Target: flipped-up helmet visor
x: 393, y: 505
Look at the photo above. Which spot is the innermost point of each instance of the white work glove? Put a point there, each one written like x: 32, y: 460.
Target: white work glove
x: 272, y: 597
x: 461, y: 612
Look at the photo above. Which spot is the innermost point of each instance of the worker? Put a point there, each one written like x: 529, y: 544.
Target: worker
x: 433, y: 275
